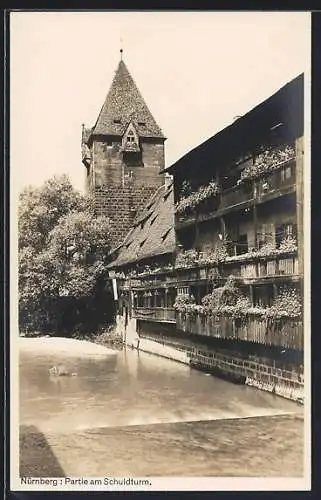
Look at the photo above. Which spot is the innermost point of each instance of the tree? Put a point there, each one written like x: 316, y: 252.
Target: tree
x: 63, y: 253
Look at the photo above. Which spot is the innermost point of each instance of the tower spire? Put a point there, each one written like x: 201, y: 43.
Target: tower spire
x: 121, y: 49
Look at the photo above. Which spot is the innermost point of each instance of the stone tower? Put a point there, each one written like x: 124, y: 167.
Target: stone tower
x: 123, y: 154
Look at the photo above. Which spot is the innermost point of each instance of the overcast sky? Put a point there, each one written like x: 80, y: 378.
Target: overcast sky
x: 195, y: 70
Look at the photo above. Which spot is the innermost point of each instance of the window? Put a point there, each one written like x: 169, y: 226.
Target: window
x: 265, y: 234
x: 141, y: 124
x: 242, y: 245
x: 284, y: 231
x: 117, y: 120
x: 286, y: 173
x: 263, y: 295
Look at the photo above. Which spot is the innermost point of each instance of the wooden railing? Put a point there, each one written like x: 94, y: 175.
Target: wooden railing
x: 268, y: 185
x: 235, y: 196
x: 287, y: 333
x: 161, y: 314
x: 277, y: 266
x: 275, y: 182
x: 255, y: 269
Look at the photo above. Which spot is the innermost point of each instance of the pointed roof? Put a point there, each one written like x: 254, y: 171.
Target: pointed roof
x: 125, y: 103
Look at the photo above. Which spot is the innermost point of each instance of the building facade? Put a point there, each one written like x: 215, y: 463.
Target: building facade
x: 123, y: 154
x: 231, y: 296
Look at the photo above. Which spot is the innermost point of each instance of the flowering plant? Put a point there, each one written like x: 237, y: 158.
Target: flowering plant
x: 183, y: 302
x: 228, y: 301
x: 214, y: 256
x: 287, y: 304
x: 288, y: 244
x: 187, y: 258
x: 267, y: 161
x: 192, y: 200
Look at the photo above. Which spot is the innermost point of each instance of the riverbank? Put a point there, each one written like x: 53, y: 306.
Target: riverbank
x: 257, y: 375
x: 63, y: 346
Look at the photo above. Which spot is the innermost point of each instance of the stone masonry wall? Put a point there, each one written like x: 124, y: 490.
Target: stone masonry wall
x: 121, y: 190
x: 121, y: 205
x: 109, y: 167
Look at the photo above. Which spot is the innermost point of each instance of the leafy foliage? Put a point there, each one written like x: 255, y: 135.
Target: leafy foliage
x: 226, y: 295
x: 192, y: 200
x: 63, y: 251
x: 267, y: 161
x: 228, y: 300
x: 287, y: 304
x: 183, y: 302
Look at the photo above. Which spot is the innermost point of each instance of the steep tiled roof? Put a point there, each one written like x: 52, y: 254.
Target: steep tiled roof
x: 125, y: 104
x: 153, y: 230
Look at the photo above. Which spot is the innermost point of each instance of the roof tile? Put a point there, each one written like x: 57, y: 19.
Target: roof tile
x: 156, y: 236
x: 124, y: 104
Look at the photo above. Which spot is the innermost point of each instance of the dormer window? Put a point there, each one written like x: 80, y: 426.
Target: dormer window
x: 131, y: 140
x: 131, y: 137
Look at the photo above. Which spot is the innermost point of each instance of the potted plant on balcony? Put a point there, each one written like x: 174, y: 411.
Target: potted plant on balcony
x: 186, y: 259
x: 288, y: 244
x: 287, y: 305
x: 208, y: 197
x: 183, y: 303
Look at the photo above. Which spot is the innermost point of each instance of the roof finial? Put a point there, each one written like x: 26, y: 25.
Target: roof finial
x: 121, y: 49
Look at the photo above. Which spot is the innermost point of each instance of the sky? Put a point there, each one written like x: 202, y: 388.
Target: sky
x: 197, y: 71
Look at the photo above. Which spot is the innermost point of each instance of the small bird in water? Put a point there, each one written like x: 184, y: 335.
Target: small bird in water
x: 61, y: 372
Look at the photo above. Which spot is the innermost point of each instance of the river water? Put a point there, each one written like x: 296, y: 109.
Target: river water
x: 135, y: 414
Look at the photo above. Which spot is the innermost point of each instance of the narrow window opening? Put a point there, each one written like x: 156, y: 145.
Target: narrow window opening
x: 166, y: 195
x: 166, y: 234
x: 153, y: 220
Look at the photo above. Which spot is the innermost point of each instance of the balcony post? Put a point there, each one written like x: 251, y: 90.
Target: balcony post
x: 223, y: 227
x: 255, y: 223
x: 299, y: 146
x: 251, y: 295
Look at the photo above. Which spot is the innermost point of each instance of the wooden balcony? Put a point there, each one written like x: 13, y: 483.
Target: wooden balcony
x: 155, y: 314
x: 271, y: 185
x: 276, y: 184
x: 270, y: 267
x: 238, y: 195
x: 288, y: 333
x: 229, y: 199
x: 251, y: 270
